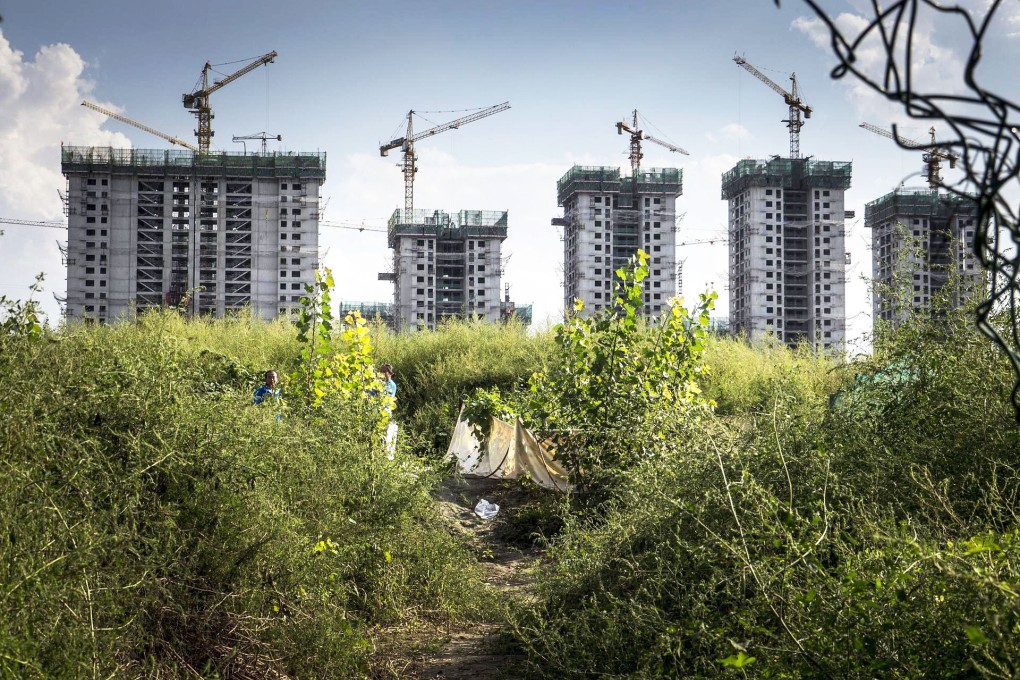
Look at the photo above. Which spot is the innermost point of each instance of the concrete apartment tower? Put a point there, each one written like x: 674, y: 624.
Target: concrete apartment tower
x: 787, y: 271
x: 445, y: 265
x: 215, y: 233
x: 921, y: 241
x: 606, y: 219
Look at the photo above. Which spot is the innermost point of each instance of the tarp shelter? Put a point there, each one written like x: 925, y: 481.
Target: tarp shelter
x: 510, y: 451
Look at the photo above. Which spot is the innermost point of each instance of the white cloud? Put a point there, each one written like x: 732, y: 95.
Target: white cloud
x: 732, y: 131
x: 41, y: 99
x: 934, y: 66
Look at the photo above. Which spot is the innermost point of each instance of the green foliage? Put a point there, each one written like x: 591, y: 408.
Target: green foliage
x: 154, y: 523
x: 748, y: 377
x: 435, y: 370
x: 21, y: 319
x: 613, y: 382
x: 846, y: 543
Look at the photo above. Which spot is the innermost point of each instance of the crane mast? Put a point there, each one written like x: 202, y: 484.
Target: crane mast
x: 636, y: 135
x: 406, y: 145
x: 932, y: 157
x: 198, y: 101
x: 792, y: 100
x: 140, y: 126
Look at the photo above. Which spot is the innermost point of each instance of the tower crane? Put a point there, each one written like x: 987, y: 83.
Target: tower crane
x: 140, y: 126
x: 33, y: 223
x: 792, y: 100
x: 933, y: 154
x: 636, y: 135
x: 406, y: 145
x: 198, y: 101
x: 258, y: 135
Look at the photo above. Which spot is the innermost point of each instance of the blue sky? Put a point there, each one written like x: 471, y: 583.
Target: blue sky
x: 348, y: 72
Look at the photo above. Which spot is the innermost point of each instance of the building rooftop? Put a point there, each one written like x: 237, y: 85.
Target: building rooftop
x: 592, y: 179
x: 785, y: 173
x: 181, y: 162
x: 926, y: 202
x: 441, y: 224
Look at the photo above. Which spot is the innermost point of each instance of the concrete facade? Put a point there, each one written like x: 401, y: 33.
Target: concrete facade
x: 787, y: 272
x: 606, y: 219
x: 921, y: 241
x: 212, y: 234
x: 446, y: 265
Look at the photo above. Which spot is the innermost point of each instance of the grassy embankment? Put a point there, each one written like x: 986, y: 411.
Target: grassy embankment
x: 783, y: 538
x: 154, y: 523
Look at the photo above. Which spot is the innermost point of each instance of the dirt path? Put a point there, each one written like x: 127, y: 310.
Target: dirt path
x: 475, y: 652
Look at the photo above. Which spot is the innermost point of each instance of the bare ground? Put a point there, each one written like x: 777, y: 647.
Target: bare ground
x: 472, y: 651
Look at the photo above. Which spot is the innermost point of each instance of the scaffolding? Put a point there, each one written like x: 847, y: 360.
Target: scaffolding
x: 586, y: 179
x: 919, y: 203
x: 371, y: 311
x: 656, y: 181
x: 785, y: 173
x: 443, y: 225
x: 88, y: 159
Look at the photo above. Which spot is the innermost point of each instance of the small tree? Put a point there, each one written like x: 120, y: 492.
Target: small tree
x: 615, y: 383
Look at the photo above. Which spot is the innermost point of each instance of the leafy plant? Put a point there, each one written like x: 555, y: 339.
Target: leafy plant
x: 613, y: 381
x: 21, y: 319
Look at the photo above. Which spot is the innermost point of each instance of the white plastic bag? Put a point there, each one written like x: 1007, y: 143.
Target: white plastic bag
x: 486, y: 510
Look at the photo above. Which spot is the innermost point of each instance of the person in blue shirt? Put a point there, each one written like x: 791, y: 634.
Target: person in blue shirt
x: 267, y: 391
x: 389, y: 390
x: 389, y: 387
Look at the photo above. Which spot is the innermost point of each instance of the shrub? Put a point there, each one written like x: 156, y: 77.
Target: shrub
x: 155, y: 523
x: 434, y: 370
x: 790, y: 541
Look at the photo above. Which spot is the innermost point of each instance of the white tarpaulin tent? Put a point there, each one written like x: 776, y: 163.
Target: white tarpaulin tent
x: 510, y: 451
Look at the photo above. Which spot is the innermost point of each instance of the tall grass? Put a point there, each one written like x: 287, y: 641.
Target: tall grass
x: 748, y: 377
x: 154, y: 523
x: 875, y: 539
x: 434, y: 370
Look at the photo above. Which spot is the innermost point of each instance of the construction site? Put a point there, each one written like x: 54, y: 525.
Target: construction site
x: 787, y: 250
x: 446, y: 265
x: 209, y: 233
x: 606, y: 219
x: 920, y: 244
x: 215, y: 232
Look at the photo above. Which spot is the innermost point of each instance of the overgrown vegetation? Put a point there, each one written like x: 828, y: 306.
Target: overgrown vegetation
x: 740, y: 508
x: 155, y: 523
x: 877, y: 538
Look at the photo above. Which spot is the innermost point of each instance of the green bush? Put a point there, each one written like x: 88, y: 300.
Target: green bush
x: 155, y: 523
x: 434, y: 370
x: 791, y: 540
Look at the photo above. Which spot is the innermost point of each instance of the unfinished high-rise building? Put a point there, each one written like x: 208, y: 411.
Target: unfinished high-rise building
x: 920, y: 247
x: 787, y: 273
x: 606, y: 219
x: 445, y: 265
x: 212, y: 233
